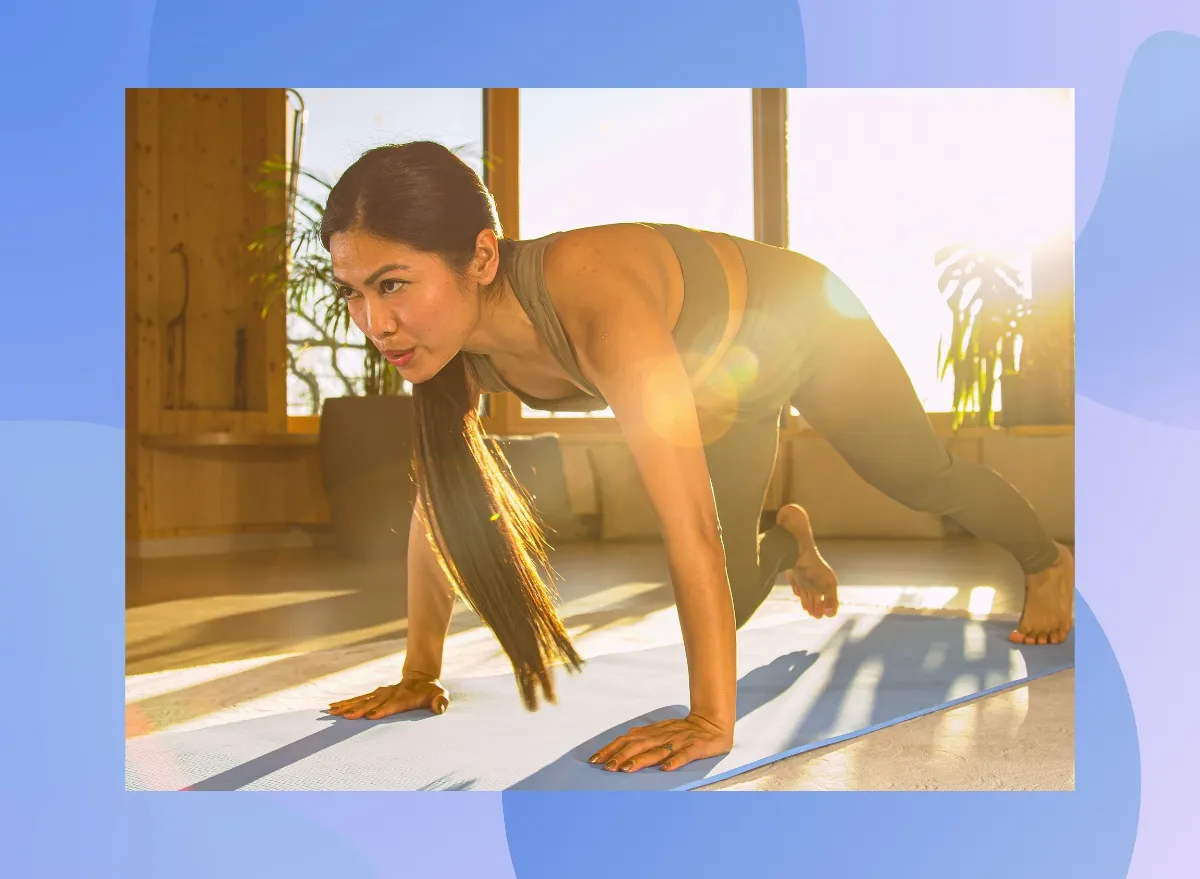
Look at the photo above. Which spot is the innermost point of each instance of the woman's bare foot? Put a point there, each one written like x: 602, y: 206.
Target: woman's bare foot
x: 813, y: 581
x: 1049, y: 603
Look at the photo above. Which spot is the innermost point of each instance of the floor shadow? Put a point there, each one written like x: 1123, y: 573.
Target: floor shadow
x: 157, y: 580
x: 908, y: 665
x: 187, y: 703
x: 336, y: 731
x: 571, y: 771
x: 191, y: 701
x: 276, y: 629
x: 196, y: 700
x: 899, y: 668
x: 445, y: 784
x: 903, y: 667
x: 369, y: 595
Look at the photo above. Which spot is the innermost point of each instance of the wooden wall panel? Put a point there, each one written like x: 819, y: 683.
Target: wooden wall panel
x: 211, y: 146
x: 132, y: 526
x: 223, y: 491
x: 193, y: 156
x: 175, y: 206
x: 144, y: 378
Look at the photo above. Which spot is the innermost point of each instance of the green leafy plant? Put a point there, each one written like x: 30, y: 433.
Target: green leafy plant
x: 301, y: 274
x: 990, y: 309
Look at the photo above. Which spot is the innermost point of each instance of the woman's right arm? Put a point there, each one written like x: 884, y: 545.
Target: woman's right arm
x: 430, y: 595
x: 430, y: 606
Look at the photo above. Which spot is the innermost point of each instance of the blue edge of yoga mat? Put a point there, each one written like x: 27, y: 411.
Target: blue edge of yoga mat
x: 828, y: 681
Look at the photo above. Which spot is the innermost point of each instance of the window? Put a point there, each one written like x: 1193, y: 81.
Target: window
x: 880, y: 180
x: 341, y: 125
x: 596, y: 156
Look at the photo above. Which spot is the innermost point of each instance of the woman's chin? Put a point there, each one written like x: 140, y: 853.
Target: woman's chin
x: 414, y: 375
x: 421, y: 368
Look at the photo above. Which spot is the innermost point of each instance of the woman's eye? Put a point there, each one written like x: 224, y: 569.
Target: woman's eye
x: 391, y: 285
x: 346, y: 293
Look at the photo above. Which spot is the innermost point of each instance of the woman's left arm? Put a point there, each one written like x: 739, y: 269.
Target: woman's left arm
x: 627, y: 351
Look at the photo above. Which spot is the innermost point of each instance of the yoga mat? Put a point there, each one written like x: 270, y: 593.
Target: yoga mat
x: 802, y: 684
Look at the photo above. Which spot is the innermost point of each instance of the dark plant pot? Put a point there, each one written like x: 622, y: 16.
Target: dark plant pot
x: 366, y: 468
x: 1038, y: 397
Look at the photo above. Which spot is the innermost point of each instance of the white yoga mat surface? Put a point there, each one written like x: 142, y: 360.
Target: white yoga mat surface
x: 802, y: 685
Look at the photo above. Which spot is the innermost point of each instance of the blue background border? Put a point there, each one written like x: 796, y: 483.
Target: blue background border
x: 1136, y: 70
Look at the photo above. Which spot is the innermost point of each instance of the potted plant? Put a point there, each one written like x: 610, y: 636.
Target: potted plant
x: 1042, y: 391
x: 988, y: 302
x: 366, y: 439
x: 1005, y: 334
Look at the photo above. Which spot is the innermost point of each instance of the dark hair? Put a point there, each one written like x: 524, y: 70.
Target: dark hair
x: 483, y: 528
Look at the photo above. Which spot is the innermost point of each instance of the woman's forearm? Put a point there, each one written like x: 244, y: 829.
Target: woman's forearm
x: 706, y: 618
x: 430, y: 605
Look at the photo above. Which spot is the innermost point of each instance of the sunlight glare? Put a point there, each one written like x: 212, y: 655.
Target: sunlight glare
x: 974, y: 641
x: 857, y: 707
x: 992, y: 168
x: 979, y: 605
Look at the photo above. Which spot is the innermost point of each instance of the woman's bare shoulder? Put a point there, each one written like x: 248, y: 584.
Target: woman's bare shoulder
x: 612, y: 286
x: 596, y: 268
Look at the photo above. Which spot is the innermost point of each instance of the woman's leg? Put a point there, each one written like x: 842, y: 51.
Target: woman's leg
x: 740, y: 465
x: 857, y: 395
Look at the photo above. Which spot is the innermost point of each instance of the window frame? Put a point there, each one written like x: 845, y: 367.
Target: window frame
x: 501, y: 151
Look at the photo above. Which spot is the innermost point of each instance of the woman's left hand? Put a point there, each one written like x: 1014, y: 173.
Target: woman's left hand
x: 668, y: 744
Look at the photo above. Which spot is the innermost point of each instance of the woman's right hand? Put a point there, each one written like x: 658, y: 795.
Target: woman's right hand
x: 408, y: 695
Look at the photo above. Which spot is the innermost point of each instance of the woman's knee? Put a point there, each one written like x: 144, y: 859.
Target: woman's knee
x: 927, y: 489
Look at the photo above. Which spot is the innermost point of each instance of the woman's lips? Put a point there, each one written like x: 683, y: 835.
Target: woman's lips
x: 400, y: 358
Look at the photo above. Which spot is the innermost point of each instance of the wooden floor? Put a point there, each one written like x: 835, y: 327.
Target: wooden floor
x: 227, y: 637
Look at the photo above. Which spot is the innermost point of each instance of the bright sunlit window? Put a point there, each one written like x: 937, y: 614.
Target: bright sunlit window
x: 880, y: 180
x: 342, y: 124
x: 595, y: 156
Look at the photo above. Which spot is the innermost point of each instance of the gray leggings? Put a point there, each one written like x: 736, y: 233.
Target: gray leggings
x: 855, y: 393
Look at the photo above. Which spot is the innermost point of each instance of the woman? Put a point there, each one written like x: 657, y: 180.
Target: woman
x: 696, y: 341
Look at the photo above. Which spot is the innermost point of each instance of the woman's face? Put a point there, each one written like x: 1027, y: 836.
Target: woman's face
x: 411, y: 305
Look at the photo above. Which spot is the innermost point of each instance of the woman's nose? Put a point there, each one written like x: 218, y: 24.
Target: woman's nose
x: 381, y: 323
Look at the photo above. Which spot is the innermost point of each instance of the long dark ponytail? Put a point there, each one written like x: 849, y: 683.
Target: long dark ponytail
x: 484, y: 530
